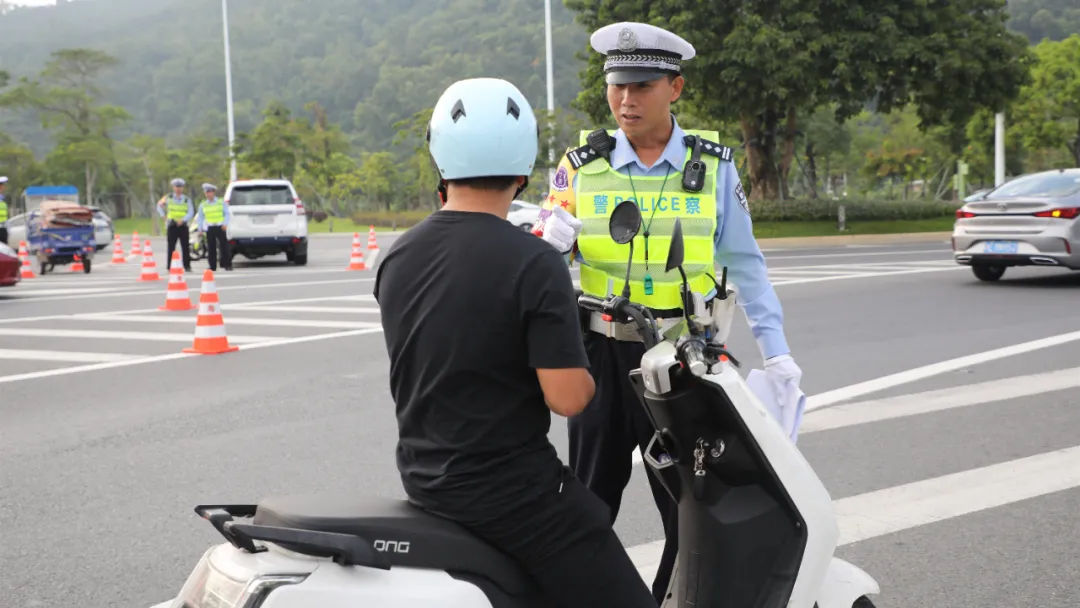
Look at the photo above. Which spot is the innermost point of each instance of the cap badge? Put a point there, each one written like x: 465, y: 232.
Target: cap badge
x: 627, y: 40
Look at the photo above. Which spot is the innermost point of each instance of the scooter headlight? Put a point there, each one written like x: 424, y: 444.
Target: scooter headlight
x: 208, y: 587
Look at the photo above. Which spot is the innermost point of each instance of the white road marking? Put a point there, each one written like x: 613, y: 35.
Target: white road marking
x: 60, y: 355
x: 353, y: 298
x: 318, y: 309
x: 939, y: 400
x: 883, y: 274
x: 919, y: 373
x: 234, y: 321
x: 912, y: 505
x: 155, y: 359
x: 151, y: 336
x: 194, y: 290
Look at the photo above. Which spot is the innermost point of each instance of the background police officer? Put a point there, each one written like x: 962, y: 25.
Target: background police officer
x: 178, y: 211
x: 213, y: 220
x: 647, y: 159
x: 3, y: 211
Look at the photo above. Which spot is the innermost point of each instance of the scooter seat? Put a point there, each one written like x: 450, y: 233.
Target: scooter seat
x: 406, y: 534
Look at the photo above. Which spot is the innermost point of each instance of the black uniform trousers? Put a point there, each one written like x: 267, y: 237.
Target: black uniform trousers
x: 604, y: 436
x: 564, y: 541
x: 215, y: 242
x: 4, y: 236
x: 176, y: 232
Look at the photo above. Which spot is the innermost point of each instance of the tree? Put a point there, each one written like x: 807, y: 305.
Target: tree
x: 67, y: 97
x: 1049, y: 109
x: 763, y: 64
x: 325, y: 155
x: 274, y: 146
x: 376, y: 177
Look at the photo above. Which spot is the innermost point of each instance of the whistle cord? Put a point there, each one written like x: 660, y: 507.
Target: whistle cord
x: 629, y: 174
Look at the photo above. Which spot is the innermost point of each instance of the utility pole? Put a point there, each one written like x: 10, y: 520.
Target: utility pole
x: 999, y: 149
x: 228, y: 93
x: 550, y: 90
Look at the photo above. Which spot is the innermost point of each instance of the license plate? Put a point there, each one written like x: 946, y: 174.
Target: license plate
x: 1001, y: 247
x: 262, y: 219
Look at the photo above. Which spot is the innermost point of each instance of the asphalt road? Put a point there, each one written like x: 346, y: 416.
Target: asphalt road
x: 964, y: 496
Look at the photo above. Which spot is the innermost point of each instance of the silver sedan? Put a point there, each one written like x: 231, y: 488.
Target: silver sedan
x: 1033, y: 220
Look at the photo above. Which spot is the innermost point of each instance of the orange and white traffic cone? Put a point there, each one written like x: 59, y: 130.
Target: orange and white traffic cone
x: 149, y: 267
x: 118, y: 253
x: 136, y: 246
x: 356, y: 262
x: 24, y: 257
x: 78, y: 265
x: 177, y: 296
x: 371, y: 242
x: 210, y: 338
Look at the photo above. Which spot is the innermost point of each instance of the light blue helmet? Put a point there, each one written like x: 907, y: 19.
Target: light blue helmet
x: 483, y: 127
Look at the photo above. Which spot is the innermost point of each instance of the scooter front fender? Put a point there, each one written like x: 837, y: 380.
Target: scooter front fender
x: 163, y: 604
x: 844, y: 583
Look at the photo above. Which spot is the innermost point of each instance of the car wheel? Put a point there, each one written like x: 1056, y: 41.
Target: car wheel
x: 300, y: 259
x: 526, y: 227
x: 988, y: 272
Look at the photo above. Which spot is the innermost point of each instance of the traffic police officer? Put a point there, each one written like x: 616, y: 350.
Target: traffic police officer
x: 652, y: 160
x: 178, y: 212
x: 3, y: 211
x: 213, y: 220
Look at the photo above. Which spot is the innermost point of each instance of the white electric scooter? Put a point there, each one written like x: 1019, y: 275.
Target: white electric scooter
x: 756, y: 527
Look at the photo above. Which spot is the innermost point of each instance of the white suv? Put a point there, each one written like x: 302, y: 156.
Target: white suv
x: 268, y: 218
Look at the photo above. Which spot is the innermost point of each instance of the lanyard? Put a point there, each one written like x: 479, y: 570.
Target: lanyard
x: 648, y: 277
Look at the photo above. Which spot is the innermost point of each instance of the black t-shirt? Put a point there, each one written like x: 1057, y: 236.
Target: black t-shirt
x: 471, y: 306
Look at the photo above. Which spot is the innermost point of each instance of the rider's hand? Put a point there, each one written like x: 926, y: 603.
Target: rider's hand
x: 783, y: 376
x: 561, y: 230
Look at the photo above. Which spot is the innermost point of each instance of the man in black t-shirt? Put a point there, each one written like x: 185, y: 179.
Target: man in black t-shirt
x: 484, y: 342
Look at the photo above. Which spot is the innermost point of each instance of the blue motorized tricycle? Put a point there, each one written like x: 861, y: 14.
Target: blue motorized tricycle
x: 58, y: 245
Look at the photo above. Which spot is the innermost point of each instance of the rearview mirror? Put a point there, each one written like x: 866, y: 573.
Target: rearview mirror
x: 625, y: 222
x: 675, y: 250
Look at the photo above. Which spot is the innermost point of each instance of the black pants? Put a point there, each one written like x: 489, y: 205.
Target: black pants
x: 176, y: 232
x: 565, y: 542
x: 215, y: 242
x: 3, y: 237
x: 605, y: 435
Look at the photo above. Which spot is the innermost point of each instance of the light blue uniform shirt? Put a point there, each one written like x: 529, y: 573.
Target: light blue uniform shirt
x: 201, y: 219
x: 164, y: 209
x: 734, y: 243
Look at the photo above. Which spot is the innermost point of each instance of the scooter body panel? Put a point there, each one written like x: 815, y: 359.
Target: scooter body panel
x: 760, y: 522
x: 845, y: 583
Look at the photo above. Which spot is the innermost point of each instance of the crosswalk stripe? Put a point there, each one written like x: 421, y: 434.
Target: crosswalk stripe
x: 230, y: 320
x: 151, y: 336
x: 319, y: 309
x: 62, y: 355
x: 907, y: 506
x: 939, y: 400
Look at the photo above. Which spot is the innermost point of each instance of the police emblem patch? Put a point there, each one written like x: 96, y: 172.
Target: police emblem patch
x: 627, y: 40
x: 561, y: 181
x: 741, y: 195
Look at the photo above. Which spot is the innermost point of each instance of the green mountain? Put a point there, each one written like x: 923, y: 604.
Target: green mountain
x: 370, y: 63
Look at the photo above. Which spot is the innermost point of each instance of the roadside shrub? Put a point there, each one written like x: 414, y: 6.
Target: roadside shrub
x: 811, y: 210
x: 389, y: 219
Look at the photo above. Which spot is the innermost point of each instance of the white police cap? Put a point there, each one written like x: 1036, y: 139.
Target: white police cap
x: 639, y: 52
x: 209, y: 188
x: 178, y: 182
x: 3, y: 180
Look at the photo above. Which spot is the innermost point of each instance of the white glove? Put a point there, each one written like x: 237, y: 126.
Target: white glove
x: 561, y: 230
x: 783, y: 377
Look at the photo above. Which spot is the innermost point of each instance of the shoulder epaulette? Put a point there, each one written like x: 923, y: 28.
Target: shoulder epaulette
x: 599, y: 145
x: 711, y: 148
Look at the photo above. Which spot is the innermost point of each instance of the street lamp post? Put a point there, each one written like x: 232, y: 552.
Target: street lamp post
x: 228, y: 92
x: 550, y: 90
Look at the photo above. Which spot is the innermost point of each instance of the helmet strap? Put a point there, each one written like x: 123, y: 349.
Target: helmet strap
x: 522, y: 187
x: 442, y: 191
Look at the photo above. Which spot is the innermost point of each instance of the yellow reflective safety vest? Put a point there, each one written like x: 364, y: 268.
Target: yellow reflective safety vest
x: 214, y: 213
x: 600, y: 188
x: 177, y: 208
x: 3, y: 211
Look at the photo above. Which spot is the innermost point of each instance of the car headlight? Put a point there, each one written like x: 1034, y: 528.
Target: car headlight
x: 208, y: 587
x: 4, y: 249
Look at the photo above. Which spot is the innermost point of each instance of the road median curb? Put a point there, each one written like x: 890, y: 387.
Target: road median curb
x: 854, y: 239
